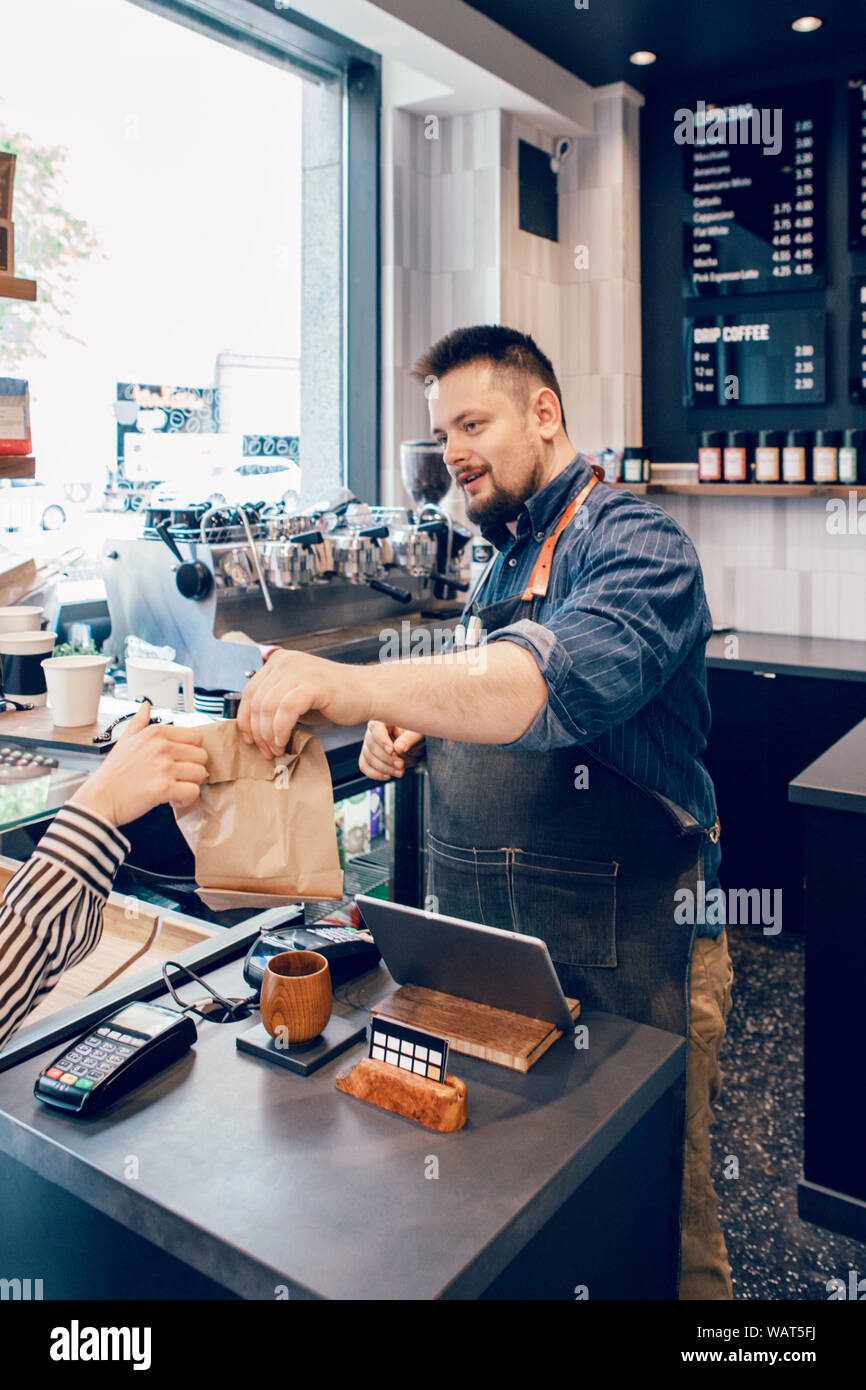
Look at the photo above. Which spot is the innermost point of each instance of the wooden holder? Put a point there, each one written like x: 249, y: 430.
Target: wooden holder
x: 435, y: 1104
x: 494, y: 1035
x: 7, y: 247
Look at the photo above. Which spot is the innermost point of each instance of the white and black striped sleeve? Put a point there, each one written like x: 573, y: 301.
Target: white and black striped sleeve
x: 51, y: 912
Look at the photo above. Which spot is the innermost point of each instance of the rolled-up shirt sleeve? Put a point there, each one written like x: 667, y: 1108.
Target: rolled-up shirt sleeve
x: 634, y: 611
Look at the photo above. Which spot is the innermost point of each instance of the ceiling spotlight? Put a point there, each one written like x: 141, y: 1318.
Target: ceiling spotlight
x: 643, y: 57
x: 807, y: 24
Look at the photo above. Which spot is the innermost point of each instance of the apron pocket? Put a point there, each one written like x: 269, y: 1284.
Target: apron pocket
x: 468, y: 883
x: 569, y: 903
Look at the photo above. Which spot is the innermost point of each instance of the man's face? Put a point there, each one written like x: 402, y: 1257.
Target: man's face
x: 488, y: 443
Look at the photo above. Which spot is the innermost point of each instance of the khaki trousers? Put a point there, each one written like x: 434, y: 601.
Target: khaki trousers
x: 705, y: 1272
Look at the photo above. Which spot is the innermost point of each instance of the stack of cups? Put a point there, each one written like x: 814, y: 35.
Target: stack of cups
x: 22, y: 650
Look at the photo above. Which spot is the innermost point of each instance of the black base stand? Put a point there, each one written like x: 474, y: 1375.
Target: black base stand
x: 340, y: 1034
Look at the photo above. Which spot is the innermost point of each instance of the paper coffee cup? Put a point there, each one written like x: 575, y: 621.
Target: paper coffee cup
x: 20, y: 618
x: 74, y: 687
x: 21, y: 657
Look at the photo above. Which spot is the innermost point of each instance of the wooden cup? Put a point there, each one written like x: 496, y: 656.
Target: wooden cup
x: 295, y: 1002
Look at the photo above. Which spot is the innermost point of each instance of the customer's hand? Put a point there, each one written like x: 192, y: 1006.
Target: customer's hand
x: 387, y: 751
x: 151, y: 764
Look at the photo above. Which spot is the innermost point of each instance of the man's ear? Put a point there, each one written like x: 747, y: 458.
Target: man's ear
x: 548, y: 414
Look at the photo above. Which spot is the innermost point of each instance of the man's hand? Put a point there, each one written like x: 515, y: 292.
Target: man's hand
x: 149, y: 766
x: 389, y: 750
x: 449, y: 696
x: 293, y: 686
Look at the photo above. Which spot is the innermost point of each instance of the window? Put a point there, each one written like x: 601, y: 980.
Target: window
x: 192, y: 196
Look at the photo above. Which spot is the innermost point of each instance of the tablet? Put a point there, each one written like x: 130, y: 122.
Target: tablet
x: 503, y: 969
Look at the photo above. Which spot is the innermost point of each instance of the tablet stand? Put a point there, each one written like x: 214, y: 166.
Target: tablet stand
x: 478, y: 1030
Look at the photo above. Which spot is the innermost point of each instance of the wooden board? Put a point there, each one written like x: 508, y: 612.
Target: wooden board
x: 36, y: 726
x: 494, y: 1035
x: 135, y: 936
x: 13, y: 287
x: 32, y: 727
x: 746, y: 489
x: 18, y: 466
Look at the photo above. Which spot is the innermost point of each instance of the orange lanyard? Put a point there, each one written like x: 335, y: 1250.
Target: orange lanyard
x: 538, y: 580
x: 540, y: 576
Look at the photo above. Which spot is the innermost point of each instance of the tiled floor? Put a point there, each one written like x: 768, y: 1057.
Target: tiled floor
x: 773, y: 1254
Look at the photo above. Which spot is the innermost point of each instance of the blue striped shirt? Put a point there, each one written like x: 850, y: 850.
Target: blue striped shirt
x: 619, y: 639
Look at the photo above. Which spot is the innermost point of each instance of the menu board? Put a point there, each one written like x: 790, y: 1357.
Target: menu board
x: 769, y: 358
x: 857, y: 359
x: 754, y: 192
x: 857, y: 164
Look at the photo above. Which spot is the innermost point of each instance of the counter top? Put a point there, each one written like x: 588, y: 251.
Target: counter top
x: 258, y: 1178
x: 836, y: 780
x: 829, y: 658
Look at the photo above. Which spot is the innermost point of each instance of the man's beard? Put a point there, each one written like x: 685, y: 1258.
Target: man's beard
x: 500, y: 504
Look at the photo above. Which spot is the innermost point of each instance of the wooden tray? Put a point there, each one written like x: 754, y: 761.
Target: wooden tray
x: 32, y: 727
x: 495, y: 1035
x: 36, y: 726
x: 135, y: 936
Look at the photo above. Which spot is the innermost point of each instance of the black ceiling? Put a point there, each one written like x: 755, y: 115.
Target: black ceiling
x: 689, y: 37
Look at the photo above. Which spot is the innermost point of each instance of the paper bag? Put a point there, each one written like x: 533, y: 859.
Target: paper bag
x: 262, y: 827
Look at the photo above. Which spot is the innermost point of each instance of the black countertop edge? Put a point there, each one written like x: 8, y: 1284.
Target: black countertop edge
x: 206, y: 1251
x: 514, y: 1237
x: 825, y: 658
x: 837, y: 780
x: 145, y: 1216
x: 227, y: 943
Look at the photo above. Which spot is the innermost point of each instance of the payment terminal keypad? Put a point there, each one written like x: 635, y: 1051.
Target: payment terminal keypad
x: 120, y: 1054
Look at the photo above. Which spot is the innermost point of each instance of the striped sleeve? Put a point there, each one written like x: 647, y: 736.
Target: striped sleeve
x: 51, y: 912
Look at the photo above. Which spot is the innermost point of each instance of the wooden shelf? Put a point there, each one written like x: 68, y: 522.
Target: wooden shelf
x: 12, y: 287
x: 17, y: 466
x: 749, y: 489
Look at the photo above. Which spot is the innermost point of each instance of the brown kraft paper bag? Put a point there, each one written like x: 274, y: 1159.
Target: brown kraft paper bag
x: 262, y: 827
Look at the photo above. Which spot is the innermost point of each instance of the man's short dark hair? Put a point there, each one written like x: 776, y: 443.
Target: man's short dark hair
x: 514, y: 358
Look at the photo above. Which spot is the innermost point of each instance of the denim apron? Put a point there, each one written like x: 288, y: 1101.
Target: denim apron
x: 563, y: 846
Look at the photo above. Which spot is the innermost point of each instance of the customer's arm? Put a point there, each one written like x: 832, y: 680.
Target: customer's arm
x: 51, y: 913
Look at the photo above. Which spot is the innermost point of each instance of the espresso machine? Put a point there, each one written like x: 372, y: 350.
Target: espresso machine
x: 214, y: 580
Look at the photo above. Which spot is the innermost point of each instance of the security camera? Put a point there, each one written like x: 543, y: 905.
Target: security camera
x: 561, y: 150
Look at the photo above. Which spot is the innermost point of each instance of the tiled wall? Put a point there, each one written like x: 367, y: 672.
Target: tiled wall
x: 441, y: 248
x: 771, y: 565
x: 584, y: 309
x: 531, y: 296
x: 453, y: 254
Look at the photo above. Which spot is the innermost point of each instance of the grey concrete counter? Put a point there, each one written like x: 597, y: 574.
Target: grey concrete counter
x: 826, y: 657
x: 836, y: 780
x: 258, y: 1178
